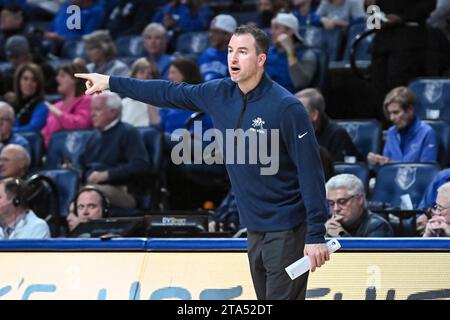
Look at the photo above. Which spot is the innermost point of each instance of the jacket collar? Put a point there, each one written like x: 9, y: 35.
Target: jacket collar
x: 265, y: 83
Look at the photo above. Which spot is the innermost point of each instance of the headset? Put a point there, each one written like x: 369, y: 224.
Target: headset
x: 19, y: 188
x: 105, y: 200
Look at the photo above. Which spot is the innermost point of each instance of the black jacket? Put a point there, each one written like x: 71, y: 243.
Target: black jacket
x: 403, y: 37
x: 370, y: 225
x: 336, y: 140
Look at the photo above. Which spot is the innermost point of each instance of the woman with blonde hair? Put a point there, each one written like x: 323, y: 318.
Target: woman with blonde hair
x: 134, y: 112
x: 102, y: 52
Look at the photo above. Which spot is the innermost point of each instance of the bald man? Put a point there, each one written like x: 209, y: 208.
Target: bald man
x: 14, y: 161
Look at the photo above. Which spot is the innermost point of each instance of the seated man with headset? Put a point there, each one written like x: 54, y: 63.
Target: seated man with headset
x: 17, y: 221
x: 89, y: 204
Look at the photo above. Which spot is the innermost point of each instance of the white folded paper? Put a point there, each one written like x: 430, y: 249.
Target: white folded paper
x: 302, y: 265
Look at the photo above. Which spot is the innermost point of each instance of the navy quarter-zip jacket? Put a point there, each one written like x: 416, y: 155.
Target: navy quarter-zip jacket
x: 266, y: 203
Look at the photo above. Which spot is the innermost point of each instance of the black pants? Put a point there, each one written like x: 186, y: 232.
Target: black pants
x: 269, y: 254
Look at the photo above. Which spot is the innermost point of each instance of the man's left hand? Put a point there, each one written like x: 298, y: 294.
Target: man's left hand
x: 98, y: 177
x: 317, y: 253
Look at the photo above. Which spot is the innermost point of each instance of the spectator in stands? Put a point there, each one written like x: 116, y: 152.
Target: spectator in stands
x: 30, y: 107
x: 13, y: 22
x: 350, y: 217
x: 182, y: 70
x: 74, y: 111
x: 17, y: 221
x: 267, y: 9
x: 429, y: 198
x: 90, y: 204
x: 288, y: 63
x: 213, y: 61
x: 409, y: 139
x: 305, y: 12
x: 14, y: 161
x: 101, y: 52
x: 134, y: 112
x: 17, y: 51
x: 155, y: 43
x: 184, y: 16
x: 7, y: 135
x: 91, y: 16
x: 331, y: 136
x: 399, y: 48
x: 340, y: 13
x: 115, y: 157
x: 128, y: 17
x: 439, y: 224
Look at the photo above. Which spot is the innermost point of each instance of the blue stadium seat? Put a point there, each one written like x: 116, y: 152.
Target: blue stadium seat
x: 192, y: 42
x: 358, y: 169
x: 362, y: 51
x: 433, y: 98
x: 67, y: 183
x: 130, y: 46
x: 73, y: 49
x: 37, y: 148
x: 442, y: 129
x: 365, y: 134
x: 396, y: 179
x: 65, y: 149
x: 322, y: 68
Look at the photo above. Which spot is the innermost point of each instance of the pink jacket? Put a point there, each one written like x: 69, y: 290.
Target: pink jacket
x: 76, y: 116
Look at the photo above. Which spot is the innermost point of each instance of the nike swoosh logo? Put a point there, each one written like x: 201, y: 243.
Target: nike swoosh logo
x: 302, y: 135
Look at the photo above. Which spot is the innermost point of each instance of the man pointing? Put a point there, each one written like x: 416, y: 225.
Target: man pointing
x: 284, y: 211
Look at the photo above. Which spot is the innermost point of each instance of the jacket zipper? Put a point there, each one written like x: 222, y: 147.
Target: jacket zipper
x: 241, y: 116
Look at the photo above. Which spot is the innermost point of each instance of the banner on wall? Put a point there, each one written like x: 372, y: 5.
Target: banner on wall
x: 211, y: 275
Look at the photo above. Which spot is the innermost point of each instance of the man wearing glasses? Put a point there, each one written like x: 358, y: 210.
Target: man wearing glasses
x: 439, y: 224
x: 350, y: 217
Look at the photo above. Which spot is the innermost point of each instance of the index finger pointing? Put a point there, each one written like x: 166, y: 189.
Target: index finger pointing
x: 82, y: 75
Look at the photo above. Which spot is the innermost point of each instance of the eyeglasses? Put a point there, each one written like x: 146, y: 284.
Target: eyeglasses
x: 438, y: 208
x: 90, y: 206
x: 341, y: 202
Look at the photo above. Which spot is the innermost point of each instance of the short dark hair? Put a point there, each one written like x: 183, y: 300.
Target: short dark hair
x: 261, y: 38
